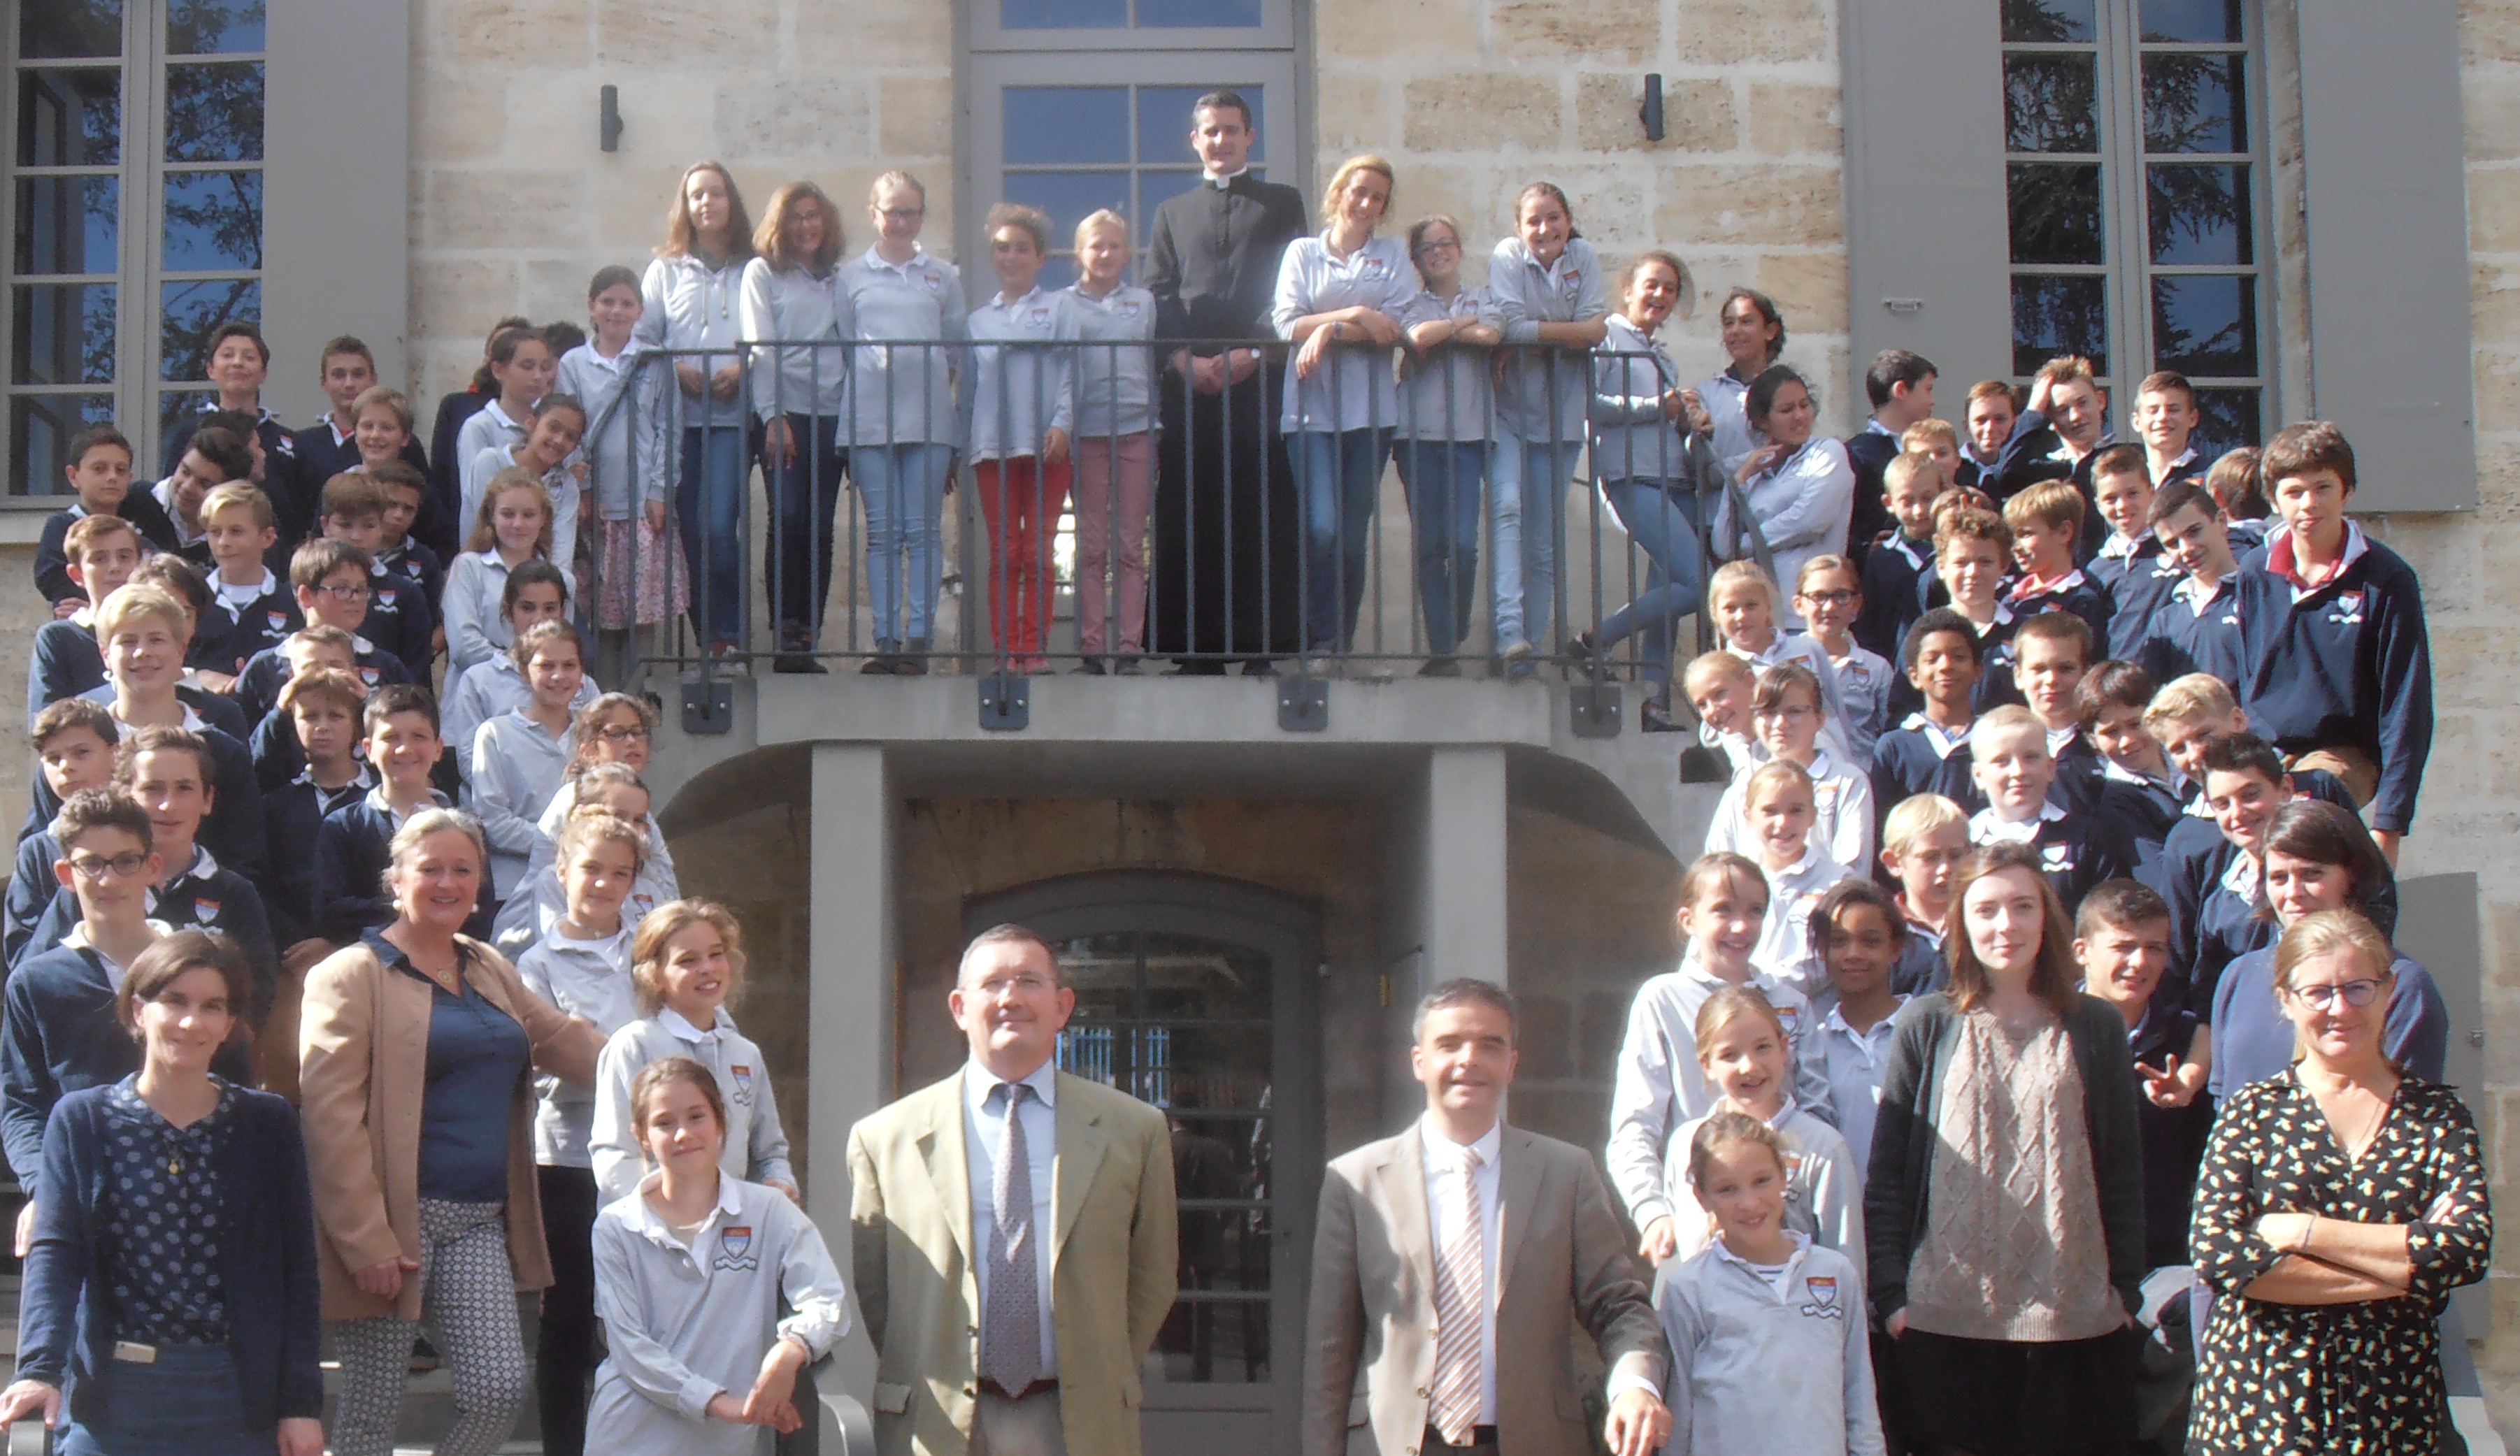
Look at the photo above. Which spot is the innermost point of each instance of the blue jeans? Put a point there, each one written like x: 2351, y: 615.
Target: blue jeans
x: 708, y: 501
x: 1339, y: 474
x: 1661, y: 519
x: 184, y: 1403
x: 1446, y: 481
x: 804, y: 497
x: 904, y: 490
x: 1528, y: 484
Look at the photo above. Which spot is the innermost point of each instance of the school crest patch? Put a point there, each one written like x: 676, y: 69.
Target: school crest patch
x: 2056, y: 858
x: 1824, y: 1305
x: 743, y: 1075
x: 1129, y: 308
x: 1791, y: 1018
x: 735, y: 1248
x: 278, y: 621
x: 385, y: 599
x: 206, y: 911
x: 2349, y: 609
x: 1039, y: 316
x: 1572, y: 284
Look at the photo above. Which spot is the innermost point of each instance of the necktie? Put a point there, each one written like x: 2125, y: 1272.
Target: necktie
x: 1011, y: 1324
x: 1460, y: 1305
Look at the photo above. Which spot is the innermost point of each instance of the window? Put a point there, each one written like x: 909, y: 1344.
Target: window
x: 134, y: 208
x: 2135, y: 177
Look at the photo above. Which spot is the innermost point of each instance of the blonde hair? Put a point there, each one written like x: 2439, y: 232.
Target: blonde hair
x: 1733, y: 573
x: 1728, y: 1005
x: 1101, y: 219
x: 1907, y: 466
x: 238, y: 495
x: 141, y: 601
x: 382, y: 397
x: 1367, y: 161
x: 2066, y: 369
x: 1716, y: 664
x: 2010, y: 717
x: 416, y: 830
x: 1773, y: 772
x: 591, y: 825
x: 2324, y: 933
x: 896, y: 178
x: 2049, y: 503
x: 769, y: 241
x: 1914, y: 439
x: 663, y: 923
x: 2186, y: 699
x: 1917, y: 816
x: 486, y: 531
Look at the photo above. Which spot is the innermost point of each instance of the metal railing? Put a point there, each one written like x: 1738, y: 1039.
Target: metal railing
x: 893, y: 506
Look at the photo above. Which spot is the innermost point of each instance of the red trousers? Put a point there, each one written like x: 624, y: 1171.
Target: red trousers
x: 1020, y: 500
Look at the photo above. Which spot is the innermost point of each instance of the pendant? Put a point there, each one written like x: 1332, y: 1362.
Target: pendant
x: 176, y: 1166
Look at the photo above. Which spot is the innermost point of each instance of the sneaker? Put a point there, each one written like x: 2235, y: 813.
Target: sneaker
x: 912, y: 661
x: 1582, y: 651
x: 881, y: 665
x: 1092, y: 667
x: 1129, y: 666
x: 1518, y: 651
x: 1655, y: 717
x: 798, y: 662
x: 1441, y: 667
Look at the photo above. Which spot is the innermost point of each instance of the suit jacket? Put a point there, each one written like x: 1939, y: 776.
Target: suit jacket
x: 1212, y: 258
x: 1369, y: 1357
x: 1114, y: 1264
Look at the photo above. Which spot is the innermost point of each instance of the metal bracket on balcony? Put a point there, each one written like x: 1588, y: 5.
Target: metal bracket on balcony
x: 1595, y: 708
x: 1303, y: 704
x: 708, y: 705
x: 1006, y: 703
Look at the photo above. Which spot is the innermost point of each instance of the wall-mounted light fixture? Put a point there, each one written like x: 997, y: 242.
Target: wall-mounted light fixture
x: 608, y: 123
x: 1650, y: 113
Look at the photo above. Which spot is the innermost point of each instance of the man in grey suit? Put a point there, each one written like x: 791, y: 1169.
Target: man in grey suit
x: 1451, y: 1263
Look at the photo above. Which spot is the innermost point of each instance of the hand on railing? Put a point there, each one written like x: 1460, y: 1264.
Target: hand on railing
x: 30, y: 1403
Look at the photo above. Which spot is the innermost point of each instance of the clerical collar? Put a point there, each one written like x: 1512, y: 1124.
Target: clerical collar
x: 1225, y: 181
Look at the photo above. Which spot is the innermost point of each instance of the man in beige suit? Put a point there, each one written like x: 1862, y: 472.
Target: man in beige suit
x: 1451, y: 1263
x: 1013, y: 1234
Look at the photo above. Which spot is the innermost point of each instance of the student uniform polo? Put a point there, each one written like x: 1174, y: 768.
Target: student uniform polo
x: 1786, y: 937
x: 619, y: 451
x: 1772, y: 1362
x: 205, y: 896
x: 2345, y: 664
x: 2137, y: 579
x: 258, y: 684
x: 1823, y: 1192
x: 900, y: 396
x: 402, y: 618
x: 1851, y: 1062
x: 293, y: 812
x: 484, y: 432
x: 1353, y: 389
x: 1540, y: 391
x: 243, y: 619
x: 1922, y: 757
x: 1842, y: 827
x: 234, y: 828
x: 1015, y: 393
x: 2072, y: 593
x: 2074, y: 853
x: 1450, y: 394
x: 1893, y: 593
x: 756, y: 1145
x: 798, y: 305
x: 1115, y: 383
x: 1865, y: 680
x: 51, y: 548
x: 2195, y: 630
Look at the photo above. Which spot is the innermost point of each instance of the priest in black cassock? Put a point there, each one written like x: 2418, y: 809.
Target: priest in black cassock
x: 1227, y: 544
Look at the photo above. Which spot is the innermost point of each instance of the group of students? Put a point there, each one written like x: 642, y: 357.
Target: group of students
x: 245, y: 883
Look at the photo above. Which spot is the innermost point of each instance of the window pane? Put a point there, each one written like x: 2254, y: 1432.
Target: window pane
x: 2194, y: 103
x: 189, y: 311
x: 2212, y: 22
x: 175, y: 407
x: 2047, y: 19
x: 68, y: 225
x: 1154, y: 190
x: 65, y: 335
x: 1160, y: 13
x: 2227, y: 419
x: 1068, y: 124
x: 1164, y: 121
x: 2205, y: 325
x: 205, y: 27
x: 214, y: 220
x: 2050, y: 104
x: 70, y: 118
x: 1062, y: 14
x: 1069, y: 196
x: 41, y: 425
x: 2056, y: 212
x: 2200, y: 213
x: 214, y: 112
x: 2053, y: 316
x: 70, y: 27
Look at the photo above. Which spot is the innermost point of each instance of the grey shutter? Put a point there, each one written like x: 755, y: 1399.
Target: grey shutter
x: 1926, y: 238
x: 2383, y: 152
x: 337, y: 190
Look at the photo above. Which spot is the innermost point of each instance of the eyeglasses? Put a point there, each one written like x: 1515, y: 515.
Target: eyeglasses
x: 998, y: 986
x: 2320, y: 997
x: 903, y: 214
x: 1839, y: 597
x: 635, y: 732
x: 96, y: 870
x: 355, y: 592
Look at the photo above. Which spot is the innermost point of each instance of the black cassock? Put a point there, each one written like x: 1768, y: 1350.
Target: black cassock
x: 1228, y: 549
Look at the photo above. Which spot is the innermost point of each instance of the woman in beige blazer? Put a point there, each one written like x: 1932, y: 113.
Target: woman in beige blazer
x: 414, y: 1055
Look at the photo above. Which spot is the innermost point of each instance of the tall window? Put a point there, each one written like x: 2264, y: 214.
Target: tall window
x: 134, y: 206
x: 2136, y: 175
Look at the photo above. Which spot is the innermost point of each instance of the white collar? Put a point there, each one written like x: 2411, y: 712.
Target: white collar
x: 200, y: 867
x: 246, y: 591
x: 675, y: 1022
x: 729, y: 1206
x: 2118, y: 546
x: 2112, y: 770
x: 1873, y: 427
x: 2242, y: 876
x: 76, y: 939
x: 2066, y: 583
x: 2060, y: 739
x: 1444, y: 1154
x: 194, y: 723
x: 873, y: 259
x: 1802, y: 1250
x: 999, y: 299
x: 2194, y: 593
x: 1940, y: 738
x: 375, y: 799
x: 1226, y: 179
x: 1986, y: 829
x: 359, y: 780
x: 978, y: 1082
x: 1693, y: 969
x: 1836, y: 1019
x: 1907, y: 549
x: 1800, y: 867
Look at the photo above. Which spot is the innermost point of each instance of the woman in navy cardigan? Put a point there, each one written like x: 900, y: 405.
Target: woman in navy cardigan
x: 170, y: 1295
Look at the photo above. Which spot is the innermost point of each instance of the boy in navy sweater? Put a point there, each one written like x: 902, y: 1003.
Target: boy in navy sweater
x: 407, y: 497
x: 1923, y: 842
x: 1927, y: 753
x: 277, y: 753
x: 100, y: 475
x: 142, y: 630
x: 2009, y: 760
x: 2046, y: 525
x: 2338, y: 671
x: 250, y: 606
x: 332, y: 580
x: 400, y: 618
x: 2129, y: 567
x: 239, y: 364
x: 1901, y: 386
x: 2166, y: 420
x: 103, y: 552
x: 2216, y: 903
x: 2135, y: 776
x: 2051, y: 653
x: 74, y: 741
x: 2197, y: 628
x: 2122, y: 943
x: 355, y: 844
x: 1895, y: 569
x: 322, y: 707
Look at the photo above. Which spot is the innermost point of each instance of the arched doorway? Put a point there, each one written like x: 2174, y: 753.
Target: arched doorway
x: 1196, y: 994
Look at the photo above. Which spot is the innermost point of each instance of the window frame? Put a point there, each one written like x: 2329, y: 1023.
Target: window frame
x: 1275, y: 33
x: 139, y: 392
x: 2126, y: 269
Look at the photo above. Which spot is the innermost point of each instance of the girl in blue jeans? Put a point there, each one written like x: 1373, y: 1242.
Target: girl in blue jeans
x: 689, y: 306
x: 1644, y: 462
x: 1447, y: 419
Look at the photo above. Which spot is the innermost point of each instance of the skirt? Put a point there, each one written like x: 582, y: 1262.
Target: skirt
x: 638, y: 575
x: 1997, y: 1397
x: 185, y: 1403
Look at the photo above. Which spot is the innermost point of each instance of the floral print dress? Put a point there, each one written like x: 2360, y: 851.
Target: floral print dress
x: 2361, y: 1378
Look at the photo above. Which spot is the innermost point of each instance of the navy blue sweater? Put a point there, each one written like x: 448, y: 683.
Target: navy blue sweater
x: 2137, y: 586
x: 293, y: 812
x: 267, y: 1263
x: 227, y: 639
x: 2348, y: 664
x: 2182, y: 640
x: 51, y: 548
x: 61, y: 1034
x: 32, y: 888
x: 401, y: 618
x: 65, y: 663
x: 1893, y: 598
x: 219, y: 900
x: 258, y: 684
x: 2079, y: 850
x: 354, y: 850
x: 281, y: 477
x: 1904, y: 764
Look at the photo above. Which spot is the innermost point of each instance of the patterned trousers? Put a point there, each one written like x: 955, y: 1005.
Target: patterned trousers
x: 468, y: 1302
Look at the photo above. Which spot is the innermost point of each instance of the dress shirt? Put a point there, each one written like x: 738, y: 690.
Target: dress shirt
x: 984, y: 1129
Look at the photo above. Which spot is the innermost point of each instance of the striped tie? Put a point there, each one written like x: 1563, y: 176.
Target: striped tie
x: 1460, y: 1303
